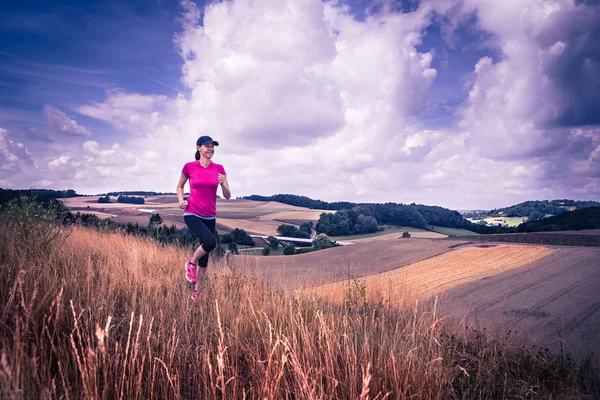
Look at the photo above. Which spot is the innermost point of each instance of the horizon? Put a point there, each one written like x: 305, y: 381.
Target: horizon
x: 293, y: 194
x: 467, y: 105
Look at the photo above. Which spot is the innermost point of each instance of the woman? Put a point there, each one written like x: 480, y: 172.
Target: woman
x: 200, y: 210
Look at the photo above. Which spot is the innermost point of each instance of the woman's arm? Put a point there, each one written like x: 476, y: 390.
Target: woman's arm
x: 180, y: 185
x: 225, y: 186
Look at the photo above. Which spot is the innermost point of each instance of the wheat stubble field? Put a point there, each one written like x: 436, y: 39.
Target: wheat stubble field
x: 549, y: 295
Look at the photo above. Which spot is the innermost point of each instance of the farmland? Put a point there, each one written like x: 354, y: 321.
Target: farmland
x: 434, y: 275
x: 507, y: 221
x: 553, y: 300
x: 338, y: 263
x: 260, y: 217
x: 475, y: 281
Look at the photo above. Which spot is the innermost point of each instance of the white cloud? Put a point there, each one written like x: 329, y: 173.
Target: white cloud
x: 14, y: 157
x: 59, y: 122
x: 132, y: 112
x: 306, y: 99
x: 17, y: 165
x: 43, y: 183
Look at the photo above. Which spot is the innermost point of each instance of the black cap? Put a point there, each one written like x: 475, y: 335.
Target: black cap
x: 206, y: 140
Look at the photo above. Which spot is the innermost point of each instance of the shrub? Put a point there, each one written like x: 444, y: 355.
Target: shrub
x: 233, y: 248
x: 322, y: 241
x: 405, y: 234
x: 273, y: 242
x: 266, y: 251
x: 289, y: 250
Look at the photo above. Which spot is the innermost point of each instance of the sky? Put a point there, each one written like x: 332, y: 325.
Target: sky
x: 464, y: 104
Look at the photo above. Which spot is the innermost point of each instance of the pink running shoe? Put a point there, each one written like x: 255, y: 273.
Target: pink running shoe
x: 196, y: 296
x: 190, y: 271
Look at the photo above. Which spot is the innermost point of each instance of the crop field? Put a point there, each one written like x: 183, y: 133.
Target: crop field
x: 260, y: 217
x: 338, y: 263
x: 554, y: 300
x: 452, y: 231
x: 306, y: 215
x: 394, y: 234
x: 435, y: 275
x: 259, y: 227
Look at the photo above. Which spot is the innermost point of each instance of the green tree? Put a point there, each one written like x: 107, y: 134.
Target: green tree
x: 289, y: 250
x: 233, y: 248
x: 322, y: 241
x: 286, y: 230
x: 155, y: 220
x: 266, y: 251
x: 306, y: 227
x: 273, y: 242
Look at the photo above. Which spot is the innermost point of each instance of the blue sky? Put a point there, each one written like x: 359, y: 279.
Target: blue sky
x: 459, y: 104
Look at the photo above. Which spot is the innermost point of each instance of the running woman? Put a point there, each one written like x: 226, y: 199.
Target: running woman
x: 200, y: 210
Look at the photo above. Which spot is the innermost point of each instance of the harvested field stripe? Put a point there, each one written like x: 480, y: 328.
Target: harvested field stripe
x: 594, y: 308
x: 566, y: 290
x: 505, y: 278
x: 433, y: 276
x: 525, y: 287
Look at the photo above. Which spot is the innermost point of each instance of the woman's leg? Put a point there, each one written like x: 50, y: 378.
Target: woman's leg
x: 204, y: 229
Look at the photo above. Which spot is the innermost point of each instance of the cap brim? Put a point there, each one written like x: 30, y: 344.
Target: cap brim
x: 213, y: 142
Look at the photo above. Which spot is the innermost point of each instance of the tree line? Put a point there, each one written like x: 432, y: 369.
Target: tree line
x: 535, y: 209
x: 347, y: 219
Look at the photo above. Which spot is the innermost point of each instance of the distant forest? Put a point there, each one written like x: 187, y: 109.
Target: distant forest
x: 355, y: 218
x: 536, y: 209
x: 43, y: 194
x: 585, y: 218
x: 138, y: 193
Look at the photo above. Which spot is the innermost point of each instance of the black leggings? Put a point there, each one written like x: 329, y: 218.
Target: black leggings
x: 205, y: 230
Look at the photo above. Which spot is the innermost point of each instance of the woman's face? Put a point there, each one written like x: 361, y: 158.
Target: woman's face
x: 206, y: 150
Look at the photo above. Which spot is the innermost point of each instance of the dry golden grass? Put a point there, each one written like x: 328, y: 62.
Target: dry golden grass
x: 102, y: 315
x: 402, y: 286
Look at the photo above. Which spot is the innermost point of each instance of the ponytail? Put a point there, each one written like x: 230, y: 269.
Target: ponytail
x: 197, y: 154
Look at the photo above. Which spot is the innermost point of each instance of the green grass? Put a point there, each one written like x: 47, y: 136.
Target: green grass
x: 452, y: 231
x: 510, y: 221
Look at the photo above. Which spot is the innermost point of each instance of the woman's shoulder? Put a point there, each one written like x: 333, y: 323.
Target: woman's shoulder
x: 218, y: 166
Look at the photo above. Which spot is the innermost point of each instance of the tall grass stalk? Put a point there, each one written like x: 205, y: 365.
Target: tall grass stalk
x: 105, y: 316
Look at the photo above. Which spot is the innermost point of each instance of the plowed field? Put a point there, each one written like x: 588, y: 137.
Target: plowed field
x: 554, y: 300
x: 422, y: 279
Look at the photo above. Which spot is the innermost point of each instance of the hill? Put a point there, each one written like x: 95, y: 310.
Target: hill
x: 536, y: 208
x: 349, y: 217
x: 586, y: 218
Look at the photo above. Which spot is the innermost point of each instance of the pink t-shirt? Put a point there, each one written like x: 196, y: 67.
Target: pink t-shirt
x: 203, y: 188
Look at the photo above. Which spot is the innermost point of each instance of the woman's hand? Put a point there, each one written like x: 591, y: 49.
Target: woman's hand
x: 183, y: 204
x: 221, y: 178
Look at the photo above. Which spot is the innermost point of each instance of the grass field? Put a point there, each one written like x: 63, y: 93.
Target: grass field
x: 451, y: 231
x: 391, y: 232
x: 510, y: 221
x: 99, y: 315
